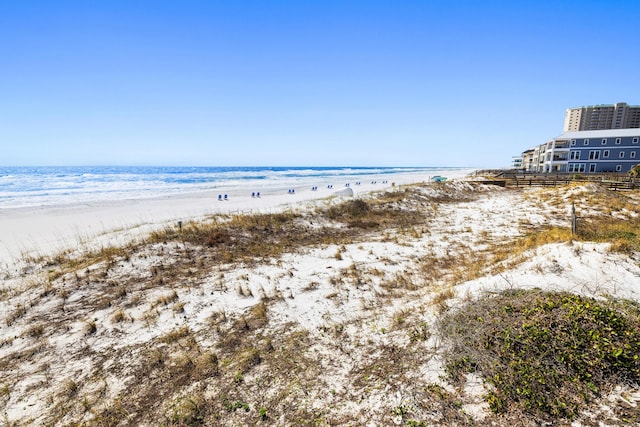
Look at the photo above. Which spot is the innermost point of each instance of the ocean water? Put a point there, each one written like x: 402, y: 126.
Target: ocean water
x: 47, y: 186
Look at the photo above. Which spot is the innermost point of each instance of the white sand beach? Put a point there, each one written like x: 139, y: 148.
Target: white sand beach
x: 37, y: 231
x: 339, y: 332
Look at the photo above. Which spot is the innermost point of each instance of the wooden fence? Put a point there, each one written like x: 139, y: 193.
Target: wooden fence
x: 520, y: 179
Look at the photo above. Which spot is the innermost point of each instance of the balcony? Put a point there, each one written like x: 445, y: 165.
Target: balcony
x: 559, y: 145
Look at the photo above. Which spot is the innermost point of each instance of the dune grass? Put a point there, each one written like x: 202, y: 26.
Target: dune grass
x: 248, y: 367
x: 622, y: 233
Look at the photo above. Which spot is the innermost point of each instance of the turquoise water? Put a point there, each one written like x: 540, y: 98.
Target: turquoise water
x: 46, y: 186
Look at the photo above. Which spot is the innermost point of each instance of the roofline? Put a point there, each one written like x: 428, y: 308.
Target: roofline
x: 600, y: 133
x: 603, y: 106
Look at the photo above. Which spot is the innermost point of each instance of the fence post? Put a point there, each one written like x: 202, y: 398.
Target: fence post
x: 574, y: 220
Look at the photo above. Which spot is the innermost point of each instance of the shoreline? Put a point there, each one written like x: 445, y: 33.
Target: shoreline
x: 47, y: 230
x: 101, y: 185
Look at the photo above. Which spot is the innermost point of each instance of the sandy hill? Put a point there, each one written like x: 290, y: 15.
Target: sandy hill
x: 324, y: 314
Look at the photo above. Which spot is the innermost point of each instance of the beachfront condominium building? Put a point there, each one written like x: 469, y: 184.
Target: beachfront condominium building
x: 523, y: 162
x: 593, y: 151
x: 516, y: 162
x: 606, y: 116
x: 527, y: 159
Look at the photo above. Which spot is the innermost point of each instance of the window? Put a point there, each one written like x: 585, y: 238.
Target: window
x: 632, y: 154
x: 573, y: 142
x: 635, y: 140
x: 574, y: 155
x: 621, y: 155
x: 604, y: 141
x: 586, y: 141
x: 594, y: 155
x: 618, y: 168
x: 605, y: 153
x: 618, y: 141
x: 578, y: 167
x: 592, y: 167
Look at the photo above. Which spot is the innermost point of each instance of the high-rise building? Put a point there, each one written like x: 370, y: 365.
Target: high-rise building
x: 597, y: 117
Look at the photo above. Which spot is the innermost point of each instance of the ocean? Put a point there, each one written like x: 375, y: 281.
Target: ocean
x: 48, y: 186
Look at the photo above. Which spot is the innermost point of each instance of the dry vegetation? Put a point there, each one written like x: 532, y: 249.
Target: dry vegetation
x: 320, y: 317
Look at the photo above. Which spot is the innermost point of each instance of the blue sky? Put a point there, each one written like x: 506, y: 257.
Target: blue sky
x: 359, y: 83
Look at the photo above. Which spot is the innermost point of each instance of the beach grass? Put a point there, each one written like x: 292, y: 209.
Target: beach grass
x: 209, y: 323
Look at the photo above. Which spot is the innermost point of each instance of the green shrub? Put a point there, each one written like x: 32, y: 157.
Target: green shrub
x: 545, y: 353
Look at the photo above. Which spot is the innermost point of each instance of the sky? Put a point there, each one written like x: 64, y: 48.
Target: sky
x: 304, y: 83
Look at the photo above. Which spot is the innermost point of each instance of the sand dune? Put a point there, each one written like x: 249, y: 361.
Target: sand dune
x: 323, y: 314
